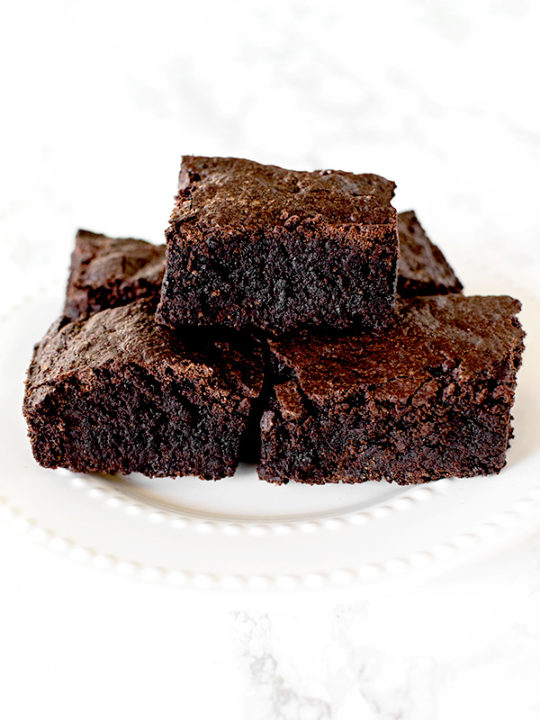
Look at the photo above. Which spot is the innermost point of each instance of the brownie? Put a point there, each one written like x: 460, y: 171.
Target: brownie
x: 428, y: 398
x: 422, y: 269
x: 106, y: 272
x: 118, y: 393
x: 253, y: 246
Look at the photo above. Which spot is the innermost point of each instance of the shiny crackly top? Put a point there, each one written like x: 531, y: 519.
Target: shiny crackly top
x: 125, y: 336
x: 419, y: 259
x: 430, y: 336
x: 242, y: 194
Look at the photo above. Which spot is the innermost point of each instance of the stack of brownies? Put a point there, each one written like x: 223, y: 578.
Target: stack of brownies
x: 294, y: 320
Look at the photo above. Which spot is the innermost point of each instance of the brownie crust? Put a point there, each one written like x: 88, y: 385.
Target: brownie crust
x: 253, y: 246
x: 108, y: 272
x: 423, y: 269
x: 428, y: 398
x: 117, y: 393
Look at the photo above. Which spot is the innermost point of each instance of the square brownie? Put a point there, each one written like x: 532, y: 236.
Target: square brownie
x: 422, y: 269
x: 253, y: 246
x: 428, y: 398
x: 107, y: 272
x: 118, y: 393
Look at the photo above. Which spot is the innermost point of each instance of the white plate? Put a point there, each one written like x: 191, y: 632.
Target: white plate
x: 241, y: 532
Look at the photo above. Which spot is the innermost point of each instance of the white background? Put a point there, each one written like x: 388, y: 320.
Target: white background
x: 99, y: 100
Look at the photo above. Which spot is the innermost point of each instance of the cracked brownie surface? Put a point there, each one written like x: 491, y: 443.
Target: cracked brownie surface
x: 107, y: 272
x: 429, y: 397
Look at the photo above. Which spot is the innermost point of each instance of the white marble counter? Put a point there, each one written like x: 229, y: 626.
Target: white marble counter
x: 99, y: 102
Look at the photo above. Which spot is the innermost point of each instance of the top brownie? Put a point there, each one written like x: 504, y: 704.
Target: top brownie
x: 253, y: 246
x: 108, y: 272
x: 423, y: 269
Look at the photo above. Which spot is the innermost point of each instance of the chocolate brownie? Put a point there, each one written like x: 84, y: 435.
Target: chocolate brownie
x: 106, y: 272
x: 428, y: 398
x: 118, y: 393
x: 422, y: 269
x: 253, y: 246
